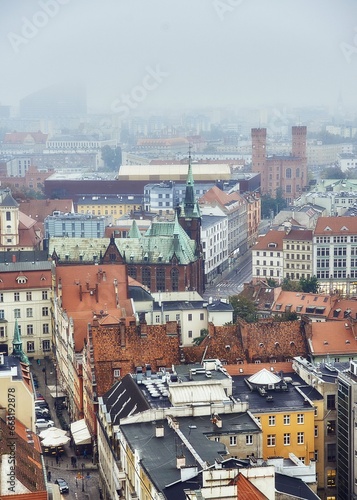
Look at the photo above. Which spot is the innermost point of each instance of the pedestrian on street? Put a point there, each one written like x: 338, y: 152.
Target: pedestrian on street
x: 76, y: 482
x: 49, y: 476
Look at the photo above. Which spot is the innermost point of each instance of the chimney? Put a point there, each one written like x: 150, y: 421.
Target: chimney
x: 80, y: 293
x: 122, y: 332
x: 159, y: 431
x: 180, y: 461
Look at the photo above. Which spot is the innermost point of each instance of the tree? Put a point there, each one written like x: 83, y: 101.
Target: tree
x: 290, y: 286
x: 272, y: 283
x: 112, y: 157
x: 287, y: 316
x: 333, y: 173
x: 309, y: 285
x: 243, y: 308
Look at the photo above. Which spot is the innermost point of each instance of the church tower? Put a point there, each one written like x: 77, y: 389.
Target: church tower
x: 9, y: 219
x: 189, y: 211
x: 17, y: 346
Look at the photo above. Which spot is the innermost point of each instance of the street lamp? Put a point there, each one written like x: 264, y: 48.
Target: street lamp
x: 82, y: 476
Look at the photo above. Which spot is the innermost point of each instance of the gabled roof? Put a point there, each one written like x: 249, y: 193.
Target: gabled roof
x: 331, y: 226
x: 216, y: 195
x: 272, y: 237
x: 332, y: 337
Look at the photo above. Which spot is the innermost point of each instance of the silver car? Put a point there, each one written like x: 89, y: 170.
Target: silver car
x: 42, y: 423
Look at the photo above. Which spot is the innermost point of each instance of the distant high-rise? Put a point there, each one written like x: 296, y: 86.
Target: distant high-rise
x: 56, y: 101
x: 287, y: 173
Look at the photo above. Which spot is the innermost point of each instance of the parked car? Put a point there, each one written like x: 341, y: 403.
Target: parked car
x: 63, y: 485
x: 41, y: 402
x: 42, y: 415
x: 42, y: 423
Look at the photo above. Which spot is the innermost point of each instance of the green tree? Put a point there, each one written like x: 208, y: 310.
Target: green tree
x: 272, y: 283
x: 287, y: 316
x: 112, y: 157
x: 309, y: 285
x: 289, y: 285
x: 243, y: 308
x: 333, y: 173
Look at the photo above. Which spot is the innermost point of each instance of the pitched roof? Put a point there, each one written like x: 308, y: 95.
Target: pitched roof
x: 330, y: 226
x: 299, y: 234
x: 216, y: 195
x: 38, y: 210
x: 124, y: 399
x: 160, y: 243
x: 271, y: 237
x: 89, y: 289
x: 22, y: 137
x: 304, y: 303
x: 332, y: 337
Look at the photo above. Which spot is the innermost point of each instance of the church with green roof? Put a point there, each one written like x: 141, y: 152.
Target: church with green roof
x: 167, y: 257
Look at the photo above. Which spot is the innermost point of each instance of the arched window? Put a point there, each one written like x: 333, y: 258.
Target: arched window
x: 288, y: 173
x: 146, y: 277
x: 175, y: 279
x: 160, y: 279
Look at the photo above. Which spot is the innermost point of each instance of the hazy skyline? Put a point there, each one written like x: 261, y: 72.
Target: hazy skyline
x: 184, y: 54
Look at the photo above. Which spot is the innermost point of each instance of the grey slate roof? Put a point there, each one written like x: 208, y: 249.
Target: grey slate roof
x: 124, y: 399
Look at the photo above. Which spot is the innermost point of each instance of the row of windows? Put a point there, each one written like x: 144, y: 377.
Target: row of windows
x: 29, y: 313
x: 160, y: 277
x: 167, y: 317
x: 287, y: 419
x: 271, y: 254
x: 300, y: 438
x: 233, y: 440
x: 29, y: 330
x: 46, y: 346
x: 18, y: 295
x: 292, y: 247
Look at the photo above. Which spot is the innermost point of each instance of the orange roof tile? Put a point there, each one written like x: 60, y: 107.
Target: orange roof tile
x: 217, y: 195
x: 247, y: 490
x: 335, y: 225
x: 332, y: 337
x: 272, y: 236
x: 323, y: 302
x: 38, y: 210
x: 90, y: 289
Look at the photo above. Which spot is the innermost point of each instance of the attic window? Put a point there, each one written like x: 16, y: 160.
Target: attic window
x: 272, y: 245
x: 278, y: 307
x: 302, y: 297
x: 320, y: 310
x: 21, y: 279
x: 310, y: 309
x: 267, y: 305
x: 325, y: 299
x: 315, y: 299
x: 327, y: 228
x: 298, y: 308
x: 344, y: 228
x: 336, y: 312
x: 261, y: 344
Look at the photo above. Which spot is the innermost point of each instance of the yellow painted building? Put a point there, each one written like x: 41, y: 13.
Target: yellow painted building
x: 110, y: 206
x: 288, y: 431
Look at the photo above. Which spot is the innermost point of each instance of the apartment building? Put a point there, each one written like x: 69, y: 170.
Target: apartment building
x: 335, y: 254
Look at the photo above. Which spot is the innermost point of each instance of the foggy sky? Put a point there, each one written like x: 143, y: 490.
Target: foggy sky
x: 209, y: 52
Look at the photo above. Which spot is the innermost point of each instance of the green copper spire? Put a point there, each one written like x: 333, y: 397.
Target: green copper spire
x: 134, y: 231
x: 17, y: 345
x: 190, y: 206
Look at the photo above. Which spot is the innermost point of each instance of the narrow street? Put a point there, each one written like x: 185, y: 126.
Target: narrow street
x: 231, y: 281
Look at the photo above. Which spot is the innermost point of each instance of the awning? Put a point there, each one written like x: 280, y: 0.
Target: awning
x: 80, y: 432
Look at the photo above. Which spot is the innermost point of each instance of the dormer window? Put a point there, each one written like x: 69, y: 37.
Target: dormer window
x: 21, y: 280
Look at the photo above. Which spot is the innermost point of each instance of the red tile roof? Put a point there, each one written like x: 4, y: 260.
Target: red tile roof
x: 90, y: 289
x: 299, y: 234
x: 332, y: 337
x: 247, y: 490
x: 272, y: 236
x: 38, y: 210
x: 334, y: 226
x: 217, y: 195
x: 22, y: 137
x: 324, y: 302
